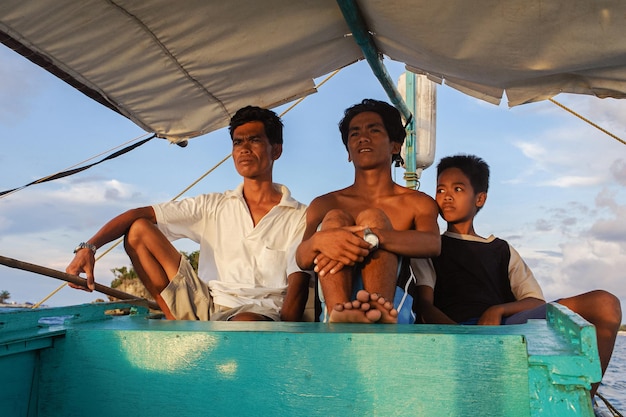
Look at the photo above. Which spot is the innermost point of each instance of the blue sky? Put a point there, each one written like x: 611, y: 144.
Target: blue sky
x: 558, y: 186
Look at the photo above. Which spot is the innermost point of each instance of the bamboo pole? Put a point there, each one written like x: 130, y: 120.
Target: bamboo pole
x: 74, y: 279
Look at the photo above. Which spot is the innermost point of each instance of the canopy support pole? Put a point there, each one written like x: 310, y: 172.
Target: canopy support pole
x: 356, y: 23
x: 411, y: 178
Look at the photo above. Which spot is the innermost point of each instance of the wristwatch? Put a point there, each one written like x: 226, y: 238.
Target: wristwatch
x: 85, y: 245
x: 371, y: 238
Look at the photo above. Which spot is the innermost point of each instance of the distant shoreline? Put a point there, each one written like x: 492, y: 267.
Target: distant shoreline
x: 16, y: 305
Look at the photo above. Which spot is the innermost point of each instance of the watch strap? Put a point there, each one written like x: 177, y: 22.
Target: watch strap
x: 85, y: 245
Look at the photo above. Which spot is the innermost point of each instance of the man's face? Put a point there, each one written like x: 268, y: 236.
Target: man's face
x: 456, y: 198
x: 252, y: 152
x: 368, y: 140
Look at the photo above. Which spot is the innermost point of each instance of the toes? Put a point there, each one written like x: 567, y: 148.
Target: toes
x: 373, y: 315
x: 363, y: 296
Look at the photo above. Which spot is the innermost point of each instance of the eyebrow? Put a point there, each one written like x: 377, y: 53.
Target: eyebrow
x: 380, y: 124
x: 439, y: 184
x: 247, y: 137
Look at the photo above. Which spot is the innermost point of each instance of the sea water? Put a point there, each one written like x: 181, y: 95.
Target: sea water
x: 613, y: 386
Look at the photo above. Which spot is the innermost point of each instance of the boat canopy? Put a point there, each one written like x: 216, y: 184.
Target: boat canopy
x: 181, y: 68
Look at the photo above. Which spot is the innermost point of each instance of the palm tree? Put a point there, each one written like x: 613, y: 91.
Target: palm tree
x: 4, y: 296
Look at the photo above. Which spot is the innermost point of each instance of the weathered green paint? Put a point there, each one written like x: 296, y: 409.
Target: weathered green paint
x: 98, y: 366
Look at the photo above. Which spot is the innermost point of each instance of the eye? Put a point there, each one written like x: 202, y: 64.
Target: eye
x: 236, y: 142
x: 458, y: 189
x: 440, y: 190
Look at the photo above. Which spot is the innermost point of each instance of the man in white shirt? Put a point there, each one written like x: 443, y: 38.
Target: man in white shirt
x: 247, y: 238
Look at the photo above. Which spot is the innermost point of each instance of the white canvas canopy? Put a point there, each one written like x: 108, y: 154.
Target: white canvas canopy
x: 181, y: 68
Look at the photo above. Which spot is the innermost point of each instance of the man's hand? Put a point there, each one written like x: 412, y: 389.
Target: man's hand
x: 492, y: 316
x: 324, y: 265
x: 83, y: 262
x: 339, y: 247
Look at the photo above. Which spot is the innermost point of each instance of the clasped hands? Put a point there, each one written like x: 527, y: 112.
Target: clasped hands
x: 340, y: 247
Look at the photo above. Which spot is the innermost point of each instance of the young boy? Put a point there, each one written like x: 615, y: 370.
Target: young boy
x: 484, y: 280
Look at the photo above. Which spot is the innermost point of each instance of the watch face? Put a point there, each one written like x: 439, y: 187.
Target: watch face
x: 371, y: 238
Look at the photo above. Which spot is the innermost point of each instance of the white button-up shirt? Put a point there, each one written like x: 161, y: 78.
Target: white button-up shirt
x: 241, y: 263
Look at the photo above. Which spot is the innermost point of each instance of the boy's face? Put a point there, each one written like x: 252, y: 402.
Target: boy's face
x: 456, y: 198
x: 368, y: 140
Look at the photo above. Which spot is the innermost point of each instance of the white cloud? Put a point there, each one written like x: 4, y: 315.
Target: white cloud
x: 91, y: 192
x: 618, y: 170
x: 592, y: 243
x: 572, y: 181
x: 83, y: 204
x: 572, y: 153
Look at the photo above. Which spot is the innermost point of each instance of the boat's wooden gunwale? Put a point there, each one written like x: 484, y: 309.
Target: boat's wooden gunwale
x: 539, y: 368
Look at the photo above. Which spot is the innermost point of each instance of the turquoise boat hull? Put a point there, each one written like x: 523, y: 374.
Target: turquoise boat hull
x: 79, y: 361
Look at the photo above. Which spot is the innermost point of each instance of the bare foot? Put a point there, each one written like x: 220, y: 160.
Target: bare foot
x: 364, y: 309
x: 345, y: 313
x: 388, y: 313
x: 358, y: 310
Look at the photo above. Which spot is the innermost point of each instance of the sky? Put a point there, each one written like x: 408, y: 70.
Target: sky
x: 557, y: 192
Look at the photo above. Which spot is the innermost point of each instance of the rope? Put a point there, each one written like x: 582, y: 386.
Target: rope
x: 588, y: 121
x: 72, y: 170
x: 301, y: 99
x: 59, y: 288
x: 190, y: 186
x: 612, y: 409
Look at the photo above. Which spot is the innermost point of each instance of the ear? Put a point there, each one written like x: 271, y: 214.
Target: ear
x: 277, y: 151
x: 481, y: 199
x: 396, y: 148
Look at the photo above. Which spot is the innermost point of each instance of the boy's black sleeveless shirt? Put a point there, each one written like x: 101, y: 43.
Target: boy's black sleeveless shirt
x: 471, y: 277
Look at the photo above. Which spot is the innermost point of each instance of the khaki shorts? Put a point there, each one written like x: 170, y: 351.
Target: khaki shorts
x: 188, y: 298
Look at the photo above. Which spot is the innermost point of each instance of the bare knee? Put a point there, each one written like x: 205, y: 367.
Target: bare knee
x: 249, y: 316
x: 337, y: 218
x: 374, y: 218
x: 137, y: 233
x: 598, y: 307
x: 609, y: 306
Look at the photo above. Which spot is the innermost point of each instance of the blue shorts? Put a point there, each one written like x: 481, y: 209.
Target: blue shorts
x: 404, y: 297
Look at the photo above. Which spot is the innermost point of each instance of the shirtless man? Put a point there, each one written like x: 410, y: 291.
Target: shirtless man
x: 361, y: 237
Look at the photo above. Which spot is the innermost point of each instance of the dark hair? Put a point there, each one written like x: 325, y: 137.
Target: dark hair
x: 272, y: 123
x: 474, y: 168
x: 390, y: 115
